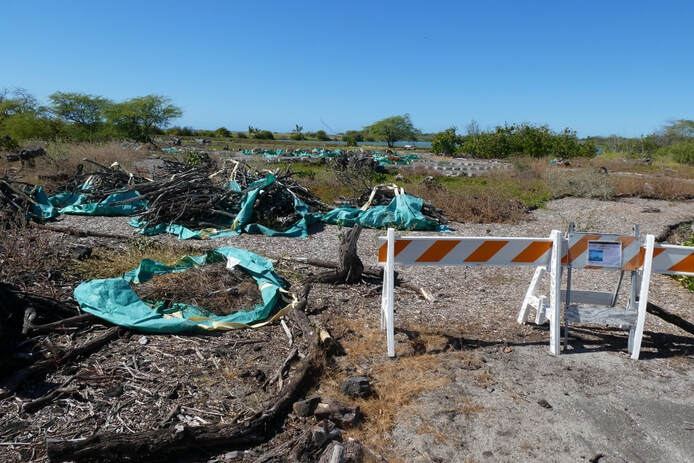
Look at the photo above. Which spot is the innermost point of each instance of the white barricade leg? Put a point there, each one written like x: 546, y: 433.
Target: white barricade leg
x: 390, y: 270
x: 555, y: 293
x: 529, y: 295
x: 384, y: 298
x: 643, y: 296
x: 540, y: 314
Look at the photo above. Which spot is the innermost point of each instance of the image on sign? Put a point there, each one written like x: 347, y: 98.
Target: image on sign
x: 605, y: 253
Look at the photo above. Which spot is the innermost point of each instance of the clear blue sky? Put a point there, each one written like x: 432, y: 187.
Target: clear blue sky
x: 600, y: 67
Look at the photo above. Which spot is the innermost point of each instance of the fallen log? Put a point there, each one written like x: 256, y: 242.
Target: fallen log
x: 82, y: 233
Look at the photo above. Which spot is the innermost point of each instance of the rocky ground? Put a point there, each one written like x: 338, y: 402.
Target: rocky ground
x: 469, y: 384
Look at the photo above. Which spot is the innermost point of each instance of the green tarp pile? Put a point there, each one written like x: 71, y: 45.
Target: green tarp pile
x: 113, y: 299
x: 77, y: 204
x: 403, y: 213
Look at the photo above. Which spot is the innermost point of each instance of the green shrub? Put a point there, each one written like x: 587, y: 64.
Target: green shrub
x: 525, y: 139
x: 264, y: 135
x: 350, y: 140
x: 222, y: 132
x: 296, y: 136
x: 446, y: 142
x: 682, y: 152
x: 241, y: 135
x: 321, y: 135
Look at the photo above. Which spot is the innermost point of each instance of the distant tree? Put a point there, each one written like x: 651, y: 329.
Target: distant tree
x: 392, y: 129
x: 138, y: 118
x: 321, y: 135
x: 446, y: 142
x: 682, y: 128
x: 84, y: 111
x: 297, y: 133
x: 251, y: 129
x: 263, y: 135
x: 222, y: 132
x: 19, y: 101
x: 356, y: 134
x: 241, y: 135
x: 22, y: 118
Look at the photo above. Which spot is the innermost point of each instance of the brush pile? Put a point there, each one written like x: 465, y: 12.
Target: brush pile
x: 15, y: 201
x: 102, y: 182
x: 202, y: 196
x: 212, y: 287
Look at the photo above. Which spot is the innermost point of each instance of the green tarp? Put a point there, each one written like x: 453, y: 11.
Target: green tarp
x: 43, y: 209
x: 403, y: 213
x: 76, y: 203
x: 113, y: 299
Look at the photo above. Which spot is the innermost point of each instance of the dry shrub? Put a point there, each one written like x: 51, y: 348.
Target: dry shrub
x: 581, y: 183
x: 30, y: 259
x: 491, y: 207
x: 652, y: 187
x: 62, y: 159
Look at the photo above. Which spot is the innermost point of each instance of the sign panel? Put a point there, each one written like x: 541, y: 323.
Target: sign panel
x: 605, y: 254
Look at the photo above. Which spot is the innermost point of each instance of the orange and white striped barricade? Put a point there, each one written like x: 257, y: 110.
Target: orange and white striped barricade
x: 469, y: 251
x: 600, y: 251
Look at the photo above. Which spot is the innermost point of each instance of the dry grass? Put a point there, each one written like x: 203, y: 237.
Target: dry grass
x: 110, y: 263
x: 491, y: 206
x: 397, y: 382
x: 212, y: 287
x: 63, y: 158
x: 652, y: 187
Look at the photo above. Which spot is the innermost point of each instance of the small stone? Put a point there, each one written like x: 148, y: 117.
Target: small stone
x: 80, y: 252
x: 357, y: 386
x: 143, y: 340
x: 508, y: 350
x: 487, y: 454
x: 322, y: 433
x: 232, y: 455
x: 543, y: 403
x: 306, y: 407
x: 115, y: 391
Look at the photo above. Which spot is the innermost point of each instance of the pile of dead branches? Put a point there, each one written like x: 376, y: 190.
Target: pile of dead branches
x: 99, y: 183
x: 201, y: 197
x: 15, y: 201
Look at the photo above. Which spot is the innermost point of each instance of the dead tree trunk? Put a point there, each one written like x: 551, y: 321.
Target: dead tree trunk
x: 349, y: 265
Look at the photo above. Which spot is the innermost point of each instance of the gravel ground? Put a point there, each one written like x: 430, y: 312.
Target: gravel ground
x: 601, y: 402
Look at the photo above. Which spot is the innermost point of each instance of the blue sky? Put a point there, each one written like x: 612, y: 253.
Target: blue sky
x: 599, y: 67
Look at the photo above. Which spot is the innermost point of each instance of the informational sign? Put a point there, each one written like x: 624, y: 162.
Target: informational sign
x: 605, y: 253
